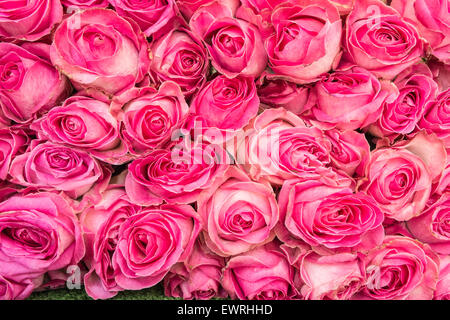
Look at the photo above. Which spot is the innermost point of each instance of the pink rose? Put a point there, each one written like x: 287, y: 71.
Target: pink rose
x: 198, y: 278
x: 234, y: 45
x: 39, y: 232
x: 443, y: 286
x: 149, y: 117
x: 84, y: 123
x: 441, y: 73
x: 260, y: 274
x: 258, y: 12
x: 306, y: 41
x: 12, y: 141
x: 180, y: 57
x: 12, y: 290
x: 432, y: 20
x: 73, y: 5
x: 174, y: 176
x: 328, y: 216
x: 29, y: 83
x: 151, y: 16
x: 357, y: 92
x: 443, y: 185
x: 188, y: 7
x: 51, y: 166
x: 29, y: 20
x: 378, y: 39
x: 151, y: 242
x: 344, y: 6
x: 237, y: 214
x: 401, y: 269
x: 111, y: 53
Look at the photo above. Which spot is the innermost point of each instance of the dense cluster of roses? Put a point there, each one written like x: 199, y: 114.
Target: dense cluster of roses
x: 270, y: 149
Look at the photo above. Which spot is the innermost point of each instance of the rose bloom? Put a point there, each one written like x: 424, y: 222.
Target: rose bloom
x: 348, y: 99
x: 432, y: 20
x: 175, y: 175
x: 329, y: 216
x: 29, y: 84
x: 189, y: 7
x: 29, y: 20
x: 263, y: 273
x: 12, y: 290
x: 12, y: 141
x: 73, y: 5
x: 111, y: 53
x: 237, y: 214
x: 401, y: 269
x: 436, y: 117
x: 181, y: 57
x: 84, y: 123
x: 258, y: 12
x: 39, y: 233
x: 198, y: 278
x: 151, y: 16
x: 234, y: 45
x: 306, y: 41
x: 149, y: 117
x: 378, y: 39
x: 443, y: 185
x: 443, y: 286
x: 51, y: 166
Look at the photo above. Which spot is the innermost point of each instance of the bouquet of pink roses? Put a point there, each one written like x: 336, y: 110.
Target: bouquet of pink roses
x: 271, y: 149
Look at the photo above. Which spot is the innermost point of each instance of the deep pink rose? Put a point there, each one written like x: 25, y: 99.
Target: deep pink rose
x: 174, y: 175
x: 443, y: 286
x: 378, y: 39
x: 237, y: 213
x: 151, y: 16
x: 12, y: 141
x: 98, y: 49
x: 306, y: 41
x: 74, y: 5
x: 349, y: 99
x: 432, y: 19
x: 29, y: 84
x: 263, y: 273
x: 401, y: 269
x: 39, y: 232
x: 51, y: 166
x: 84, y: 123
x: 234, y: 45
x: 328, y: 216
x: 181, y: 57
x: 12, y: 290
x: 198, y: 278
x: 188, y: 7
x: 29, y: 20
x: 151, y: 242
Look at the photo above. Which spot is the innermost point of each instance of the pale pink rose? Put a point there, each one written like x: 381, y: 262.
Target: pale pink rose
x: 181, y: 57
x: 29, y: 20
x: 176, y: 175
x: 12, y: 290
x: 98, y: 49
x: 13, y: 141
x: 433, y: 225
x: 29, y: 84
x: 84, y: 123
x: 306, y: 41
x: 443, y: 286
x: 401, y: 269
x: 49, y: 166
x: 344, y: 6
x: 237, y: 213
x: 328, y: 216
x: 149, y: 117
x: 276, y: 92
x: 234, y: 45
x: 74, y: 5
x: 436, y: 117
x: 151, y: 242
x: 151, y: 16
x: 188, y: 7
x: 350, y: 151
x: 39, y: 233
x: 432, y: 19
x: 263, y: 273
x: 378, y: 39
x: 198, y: 278
x: 348, y: 99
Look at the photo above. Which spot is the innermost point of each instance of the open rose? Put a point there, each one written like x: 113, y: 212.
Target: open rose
x: 12, y: 141
x: 378, y: 39
x: 96, y: 48
x: 263, y: 273
x: 84, y: 123
x: 29, y: 20
x: 39, y: 232
x: 238, y: 214
x: 401, y: 269
x: 235, y: 46
x: 306, y: 41
x: 29, y: 84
